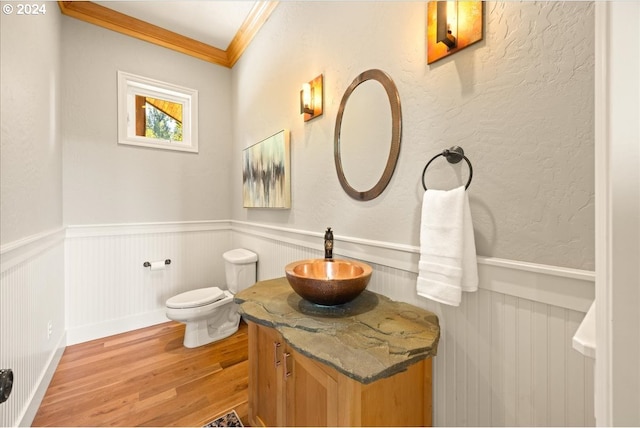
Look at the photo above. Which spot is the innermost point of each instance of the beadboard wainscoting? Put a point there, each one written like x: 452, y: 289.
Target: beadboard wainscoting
x: 109, y: 291
x: 505, y: 356
x: 32, y: 333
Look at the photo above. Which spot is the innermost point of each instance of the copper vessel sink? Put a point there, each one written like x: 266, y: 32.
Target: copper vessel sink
x: 328, y: 282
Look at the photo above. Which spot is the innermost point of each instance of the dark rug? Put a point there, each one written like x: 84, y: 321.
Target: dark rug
x: 231, y: 419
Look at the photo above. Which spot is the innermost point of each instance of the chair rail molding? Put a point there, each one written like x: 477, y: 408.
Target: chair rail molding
x: 559, y: 286
x: 16, y: 252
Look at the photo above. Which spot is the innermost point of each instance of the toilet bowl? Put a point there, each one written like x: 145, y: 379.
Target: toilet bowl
x: 210, y: 313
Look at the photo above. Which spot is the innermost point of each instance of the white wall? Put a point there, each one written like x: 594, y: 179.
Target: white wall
x: 108, y: 290
x: 624, y: 111
x: 31, y: 165
x: 31, y: 233
x: 523, y: 104
x: 617, y: 380
x: 520, y: 103
x: 109, y: 183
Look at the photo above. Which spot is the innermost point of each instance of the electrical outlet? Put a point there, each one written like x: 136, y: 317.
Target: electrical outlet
x: 49, y: 329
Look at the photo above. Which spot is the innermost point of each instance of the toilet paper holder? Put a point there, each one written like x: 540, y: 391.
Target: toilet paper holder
x: 148, y: 264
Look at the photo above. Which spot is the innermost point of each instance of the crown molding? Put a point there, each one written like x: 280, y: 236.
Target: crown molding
x: 249, y: 28
x: 107, y: 18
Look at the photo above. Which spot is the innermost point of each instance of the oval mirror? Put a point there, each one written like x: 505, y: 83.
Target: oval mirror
x: 367, y: 135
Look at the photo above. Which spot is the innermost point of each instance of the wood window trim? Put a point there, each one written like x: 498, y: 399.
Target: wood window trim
x: 141, y: 123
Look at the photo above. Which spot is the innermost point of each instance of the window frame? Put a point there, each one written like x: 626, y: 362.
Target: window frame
x: 130, y: 85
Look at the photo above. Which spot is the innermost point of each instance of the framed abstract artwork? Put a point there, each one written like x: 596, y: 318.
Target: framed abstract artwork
x: 266, y: 173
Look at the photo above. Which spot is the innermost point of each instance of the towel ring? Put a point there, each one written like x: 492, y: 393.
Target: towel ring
x: 453, y: 155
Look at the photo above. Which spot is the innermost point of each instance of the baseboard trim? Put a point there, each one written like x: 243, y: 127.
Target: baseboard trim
x: 29, y: 414
x: 87, y: 333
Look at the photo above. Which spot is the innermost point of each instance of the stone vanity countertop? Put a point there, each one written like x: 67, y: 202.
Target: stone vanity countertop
x: 369, y: 338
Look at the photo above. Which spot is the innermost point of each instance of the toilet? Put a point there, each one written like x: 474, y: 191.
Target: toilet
x: 210, y: 313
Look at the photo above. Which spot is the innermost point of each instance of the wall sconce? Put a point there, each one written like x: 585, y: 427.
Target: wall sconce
x: 311, y: 99
x: 452, y: 26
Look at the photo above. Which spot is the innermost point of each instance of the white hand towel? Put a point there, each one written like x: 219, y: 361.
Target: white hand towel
x: 448, y: 263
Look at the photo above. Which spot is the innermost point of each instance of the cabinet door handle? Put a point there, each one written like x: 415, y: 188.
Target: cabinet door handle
x: 276, y: 361
x: 287, y: 372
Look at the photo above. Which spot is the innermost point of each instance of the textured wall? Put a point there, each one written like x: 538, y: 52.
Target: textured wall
x: 520, y: 102
x: 31, y: 153
x: 108, y: 183
x: 31, y: 244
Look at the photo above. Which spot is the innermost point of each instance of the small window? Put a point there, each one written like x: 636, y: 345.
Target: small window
x: 156, y: 114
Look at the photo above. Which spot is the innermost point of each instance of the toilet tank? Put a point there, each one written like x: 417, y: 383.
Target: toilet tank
x: 240, y: 269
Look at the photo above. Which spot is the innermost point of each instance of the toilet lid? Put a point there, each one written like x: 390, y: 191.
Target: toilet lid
x: 195, y: 298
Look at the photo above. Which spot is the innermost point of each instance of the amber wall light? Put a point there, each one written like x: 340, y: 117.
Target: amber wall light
x: 311, y: 99
x: 452, y: 26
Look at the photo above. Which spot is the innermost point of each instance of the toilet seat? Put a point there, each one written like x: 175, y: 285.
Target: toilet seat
x: 196, y: 298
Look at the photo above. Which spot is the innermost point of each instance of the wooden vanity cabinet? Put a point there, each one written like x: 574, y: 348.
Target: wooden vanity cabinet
x: 266, y: 399
x: 287, y: 388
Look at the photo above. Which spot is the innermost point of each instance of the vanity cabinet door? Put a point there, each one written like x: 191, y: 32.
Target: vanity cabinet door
x: 287, y: 388
x: 311, y: 392
x: 266, y: 398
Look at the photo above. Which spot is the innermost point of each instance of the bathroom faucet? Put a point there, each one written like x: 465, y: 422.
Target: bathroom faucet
x: 328, y: 244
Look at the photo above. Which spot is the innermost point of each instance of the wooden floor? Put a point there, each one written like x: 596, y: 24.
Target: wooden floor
x: 147, y: 378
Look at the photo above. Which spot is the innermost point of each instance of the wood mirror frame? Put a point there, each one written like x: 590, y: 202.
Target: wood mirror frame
x: 396, y: 134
